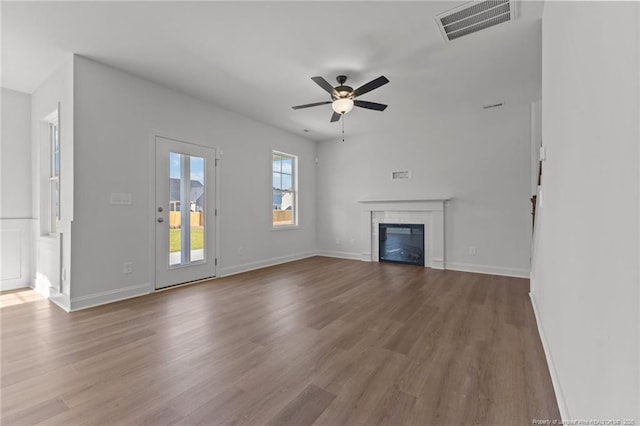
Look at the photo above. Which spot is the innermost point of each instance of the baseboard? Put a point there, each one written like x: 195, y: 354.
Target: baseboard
x: 62, y: 300
x: 339, y: 254
x: 251, y: 266
x: 366, y: 257
x: 550, y: 364
x: 89, y: 301
x: 491, y: 270
x: 437, y: 264
x: 13, y: 285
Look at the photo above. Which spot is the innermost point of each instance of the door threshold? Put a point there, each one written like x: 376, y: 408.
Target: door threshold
x: 169, y: 287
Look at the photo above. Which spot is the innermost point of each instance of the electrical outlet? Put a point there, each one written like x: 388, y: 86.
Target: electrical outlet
x: 127, y: 267
x: 473, y: 251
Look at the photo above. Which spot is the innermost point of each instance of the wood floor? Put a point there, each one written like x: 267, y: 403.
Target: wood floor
x: 319, y: 341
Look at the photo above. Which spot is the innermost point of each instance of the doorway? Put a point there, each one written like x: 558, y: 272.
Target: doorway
x: 184, y: 212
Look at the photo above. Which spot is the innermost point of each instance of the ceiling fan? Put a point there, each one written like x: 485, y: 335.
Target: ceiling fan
x: 342, y: 97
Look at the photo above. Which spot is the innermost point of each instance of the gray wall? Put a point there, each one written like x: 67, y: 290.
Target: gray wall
x: 15, y: 172
x: 479, y: 158
x: 586, y: 258
x: 15, y: 182
x: 115, y: 115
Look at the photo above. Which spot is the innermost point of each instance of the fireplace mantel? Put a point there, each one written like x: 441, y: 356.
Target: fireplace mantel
x: 429, y: 211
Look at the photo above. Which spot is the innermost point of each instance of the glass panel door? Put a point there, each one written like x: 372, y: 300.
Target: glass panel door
x: 187, y: 193
x: 184, y: 206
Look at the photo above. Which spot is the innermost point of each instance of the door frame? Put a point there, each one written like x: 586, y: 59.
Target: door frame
x: 153, y: 134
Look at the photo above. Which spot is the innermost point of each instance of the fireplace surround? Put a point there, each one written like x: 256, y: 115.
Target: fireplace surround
x: 427, y: 212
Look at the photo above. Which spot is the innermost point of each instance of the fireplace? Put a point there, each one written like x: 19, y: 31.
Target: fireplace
x: 428, y: 212
x: 401, y: 243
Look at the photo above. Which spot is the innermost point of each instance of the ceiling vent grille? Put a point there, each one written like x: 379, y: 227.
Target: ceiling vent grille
x: 474, y: 16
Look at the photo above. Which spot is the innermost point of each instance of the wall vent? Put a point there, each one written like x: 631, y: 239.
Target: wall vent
x: 489, y: 106
x: 474, y: 16
x: 404, y: 174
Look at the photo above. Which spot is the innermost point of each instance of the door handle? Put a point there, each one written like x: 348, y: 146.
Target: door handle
x: 160, y: 220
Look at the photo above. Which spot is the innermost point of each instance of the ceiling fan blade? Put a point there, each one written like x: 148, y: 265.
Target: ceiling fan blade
x: 324, y: 84
x: 373, y: 84
x: 369, y: 105
x: 310, y: 105
x: 335, y: 117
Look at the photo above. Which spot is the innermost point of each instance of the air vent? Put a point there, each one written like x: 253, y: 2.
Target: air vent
x: 489, y: 106
x: 474, y: 16
x: 404, y: 174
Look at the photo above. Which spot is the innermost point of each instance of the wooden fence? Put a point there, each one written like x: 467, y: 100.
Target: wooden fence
x: 282, y: 216
x: 197, y: 219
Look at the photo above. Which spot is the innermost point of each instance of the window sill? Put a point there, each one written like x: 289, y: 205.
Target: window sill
x: 285, y: 227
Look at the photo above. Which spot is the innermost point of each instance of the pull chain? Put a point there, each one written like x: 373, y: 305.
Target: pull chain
x: 342, y: 127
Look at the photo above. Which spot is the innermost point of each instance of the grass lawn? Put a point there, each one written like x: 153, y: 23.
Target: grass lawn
x: 197, y: 239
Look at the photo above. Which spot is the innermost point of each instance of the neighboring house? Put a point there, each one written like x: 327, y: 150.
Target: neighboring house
x: 196, y: 195
x: 287, y: 201
x: 282, y: 201
x: 277, y: 201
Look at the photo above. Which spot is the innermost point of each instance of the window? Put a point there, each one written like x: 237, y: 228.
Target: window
x: 54, y: 176
x: 284, y: 196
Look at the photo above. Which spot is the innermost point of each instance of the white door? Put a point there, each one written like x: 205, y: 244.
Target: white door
x: 184, y: 212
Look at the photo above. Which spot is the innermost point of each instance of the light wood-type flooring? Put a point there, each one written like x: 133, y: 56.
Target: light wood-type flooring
x: 319, y: 341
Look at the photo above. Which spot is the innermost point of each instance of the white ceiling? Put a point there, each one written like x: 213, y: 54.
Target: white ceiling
x: 256, y: 58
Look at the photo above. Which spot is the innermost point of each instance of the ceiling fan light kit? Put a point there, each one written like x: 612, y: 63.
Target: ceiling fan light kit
x: 342, y: 106
x: 342, y: 96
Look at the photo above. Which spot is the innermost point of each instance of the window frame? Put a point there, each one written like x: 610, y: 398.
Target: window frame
x: 54, y: 176
x: 294, y: 190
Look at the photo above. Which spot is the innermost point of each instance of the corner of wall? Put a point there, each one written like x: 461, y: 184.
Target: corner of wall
x: 56, y: 93
x: 638, y: 243
x: 60, y: 299
x: 105, y: 297
x: 564, y: 414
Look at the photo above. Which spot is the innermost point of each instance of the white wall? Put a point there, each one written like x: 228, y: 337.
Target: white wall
x: 479, y: 158
x: 115, y: 114
x: 15, y: 187
x: 585, y: 269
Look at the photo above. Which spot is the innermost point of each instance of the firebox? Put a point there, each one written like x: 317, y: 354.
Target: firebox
x: 401, y: 243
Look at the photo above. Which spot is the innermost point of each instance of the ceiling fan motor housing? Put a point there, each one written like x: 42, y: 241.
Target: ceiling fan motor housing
x: 341, y: 91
